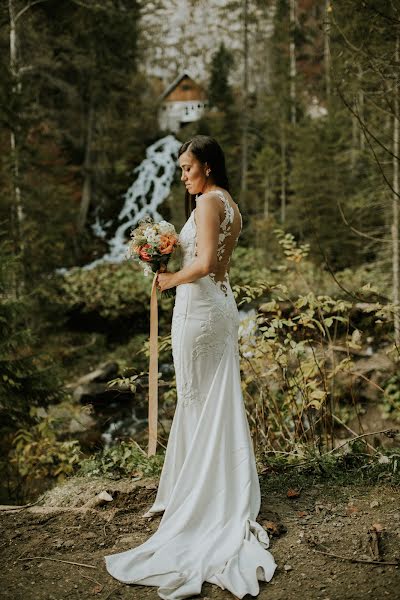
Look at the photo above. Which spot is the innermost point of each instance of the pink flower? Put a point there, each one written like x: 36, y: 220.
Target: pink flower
x: 167, y: 244
x: 143, y: 254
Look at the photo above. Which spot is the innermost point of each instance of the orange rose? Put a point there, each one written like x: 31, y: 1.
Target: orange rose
x: 167, y: 244
x: 143, y: 254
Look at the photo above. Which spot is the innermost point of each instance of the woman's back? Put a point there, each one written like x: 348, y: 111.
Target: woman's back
x: 230, y: 229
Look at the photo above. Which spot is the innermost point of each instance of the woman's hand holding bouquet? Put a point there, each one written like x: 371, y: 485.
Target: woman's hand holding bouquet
x: 152, y: 245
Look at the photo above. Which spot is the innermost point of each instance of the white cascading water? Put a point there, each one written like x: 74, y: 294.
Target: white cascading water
x: 151, y: 187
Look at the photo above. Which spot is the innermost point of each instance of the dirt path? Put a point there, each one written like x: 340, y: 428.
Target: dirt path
x: 69, y: 527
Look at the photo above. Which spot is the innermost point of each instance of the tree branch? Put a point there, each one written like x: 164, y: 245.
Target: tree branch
x: 358, y: 560
x: 27, y: 7
x: 357, y: 231
x: 381, y: 14
x: 367, y: 131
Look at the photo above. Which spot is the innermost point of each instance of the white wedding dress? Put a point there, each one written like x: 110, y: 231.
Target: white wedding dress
x: 209, y: 488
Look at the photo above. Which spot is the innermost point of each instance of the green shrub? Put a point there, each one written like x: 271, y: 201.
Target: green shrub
x: 125, y: 459
x: 27, y: 378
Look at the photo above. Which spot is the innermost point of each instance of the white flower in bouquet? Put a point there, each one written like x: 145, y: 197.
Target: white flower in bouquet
x: 165, y: 228
x: 151, y: 235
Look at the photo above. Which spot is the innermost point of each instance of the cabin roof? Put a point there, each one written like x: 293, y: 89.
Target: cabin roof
x: 173, y: 85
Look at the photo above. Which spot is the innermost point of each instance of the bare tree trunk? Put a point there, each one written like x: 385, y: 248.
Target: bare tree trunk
x: 17, y: 210
x: 292, y: 55
x: 283, y: 173
x: 395, y: 224
x: 354, y: 140
x: 266, y: 198
x: 87, y: 169
x: 327, y: 49
x: 361, y: 107
x: 245, y: 116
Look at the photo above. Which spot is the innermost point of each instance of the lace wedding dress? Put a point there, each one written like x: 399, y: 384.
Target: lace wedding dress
x: 209, y: 489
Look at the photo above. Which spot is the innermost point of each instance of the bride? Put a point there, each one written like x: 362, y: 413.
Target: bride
x: 209, y: 492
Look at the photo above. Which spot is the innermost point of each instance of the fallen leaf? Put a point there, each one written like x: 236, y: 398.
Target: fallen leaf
x: 137, y: 474
x: 97, y: 589
x: 302, y: 513
x: 293, y: 493
x: 274, y: 528
x: 351, y: 509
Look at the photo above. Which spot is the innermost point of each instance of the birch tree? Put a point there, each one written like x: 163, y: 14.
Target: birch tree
x: 245, y: 106
x: 16, y: 12
x: 292, y: 61
x: 396, y: 190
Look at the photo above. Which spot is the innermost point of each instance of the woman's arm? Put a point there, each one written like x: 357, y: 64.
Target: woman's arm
x: 207, y: 226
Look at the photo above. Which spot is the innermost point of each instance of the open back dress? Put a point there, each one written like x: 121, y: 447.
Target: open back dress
x: 209, y: 490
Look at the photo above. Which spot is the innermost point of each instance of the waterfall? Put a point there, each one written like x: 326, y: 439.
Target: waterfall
x: 150, y: 188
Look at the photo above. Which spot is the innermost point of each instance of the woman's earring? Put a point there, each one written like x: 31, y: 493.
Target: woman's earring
x: 207, y: 173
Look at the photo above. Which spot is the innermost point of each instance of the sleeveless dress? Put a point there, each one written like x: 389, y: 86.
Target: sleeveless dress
x: 209, y: 489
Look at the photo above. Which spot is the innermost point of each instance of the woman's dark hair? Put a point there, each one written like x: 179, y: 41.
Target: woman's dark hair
x: 207, y: 150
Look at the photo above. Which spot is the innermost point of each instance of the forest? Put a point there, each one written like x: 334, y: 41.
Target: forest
x: 307, y: 115
x: 303, y: 96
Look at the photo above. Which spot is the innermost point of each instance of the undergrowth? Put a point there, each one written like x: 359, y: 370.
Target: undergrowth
x: 278, y: 472
x: 127, y: 459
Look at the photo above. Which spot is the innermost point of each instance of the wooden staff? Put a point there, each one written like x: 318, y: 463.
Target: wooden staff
x: 153, y: 370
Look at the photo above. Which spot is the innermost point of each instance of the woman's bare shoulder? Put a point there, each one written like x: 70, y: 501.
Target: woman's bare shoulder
x: 207, y: 200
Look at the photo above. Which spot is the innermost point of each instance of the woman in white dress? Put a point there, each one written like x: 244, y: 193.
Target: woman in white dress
x: 209, y: 492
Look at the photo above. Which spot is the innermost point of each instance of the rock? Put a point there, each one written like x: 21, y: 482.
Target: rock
x: 128, y: 539
x: 104, y: 372
x: 91, y: 391
x: 101, y: 499
x: 151, y: 486
x: 82, y: 423
x: 94, y: 385
x: 288, y: 567
x: 374, y: 504
x: 104, y: 497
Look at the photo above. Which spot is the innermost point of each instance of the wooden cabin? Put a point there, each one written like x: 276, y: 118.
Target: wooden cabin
x: 182, y: 102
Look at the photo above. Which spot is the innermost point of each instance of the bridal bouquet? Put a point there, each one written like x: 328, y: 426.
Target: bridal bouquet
x: 152, y: 244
